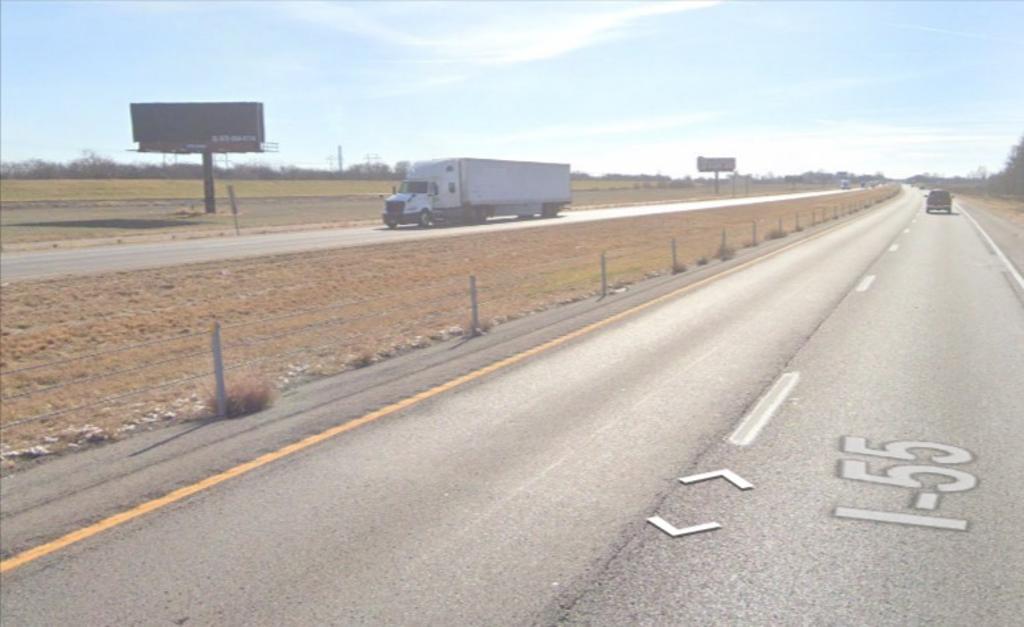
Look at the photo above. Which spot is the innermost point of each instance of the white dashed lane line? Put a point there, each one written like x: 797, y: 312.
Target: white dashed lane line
x: 865, y: 283
x: 765, y: 408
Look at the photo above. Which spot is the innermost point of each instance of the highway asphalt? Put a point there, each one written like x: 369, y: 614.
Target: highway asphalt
x: 523, y: 495
x: 98, y: 259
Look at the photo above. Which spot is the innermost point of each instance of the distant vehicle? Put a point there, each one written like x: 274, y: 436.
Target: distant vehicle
x: 939, y: 200
x: 844, y: 184
x: 472, y: 190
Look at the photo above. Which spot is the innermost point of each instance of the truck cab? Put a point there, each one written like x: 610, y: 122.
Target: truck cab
x: 430, y: 188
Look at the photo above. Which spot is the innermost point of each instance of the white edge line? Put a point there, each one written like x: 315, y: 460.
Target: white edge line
x: 999, y: 253
x: 865, y: 283
x: 763, y: 411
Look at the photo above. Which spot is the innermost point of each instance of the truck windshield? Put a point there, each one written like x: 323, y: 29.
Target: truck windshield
x: 413, y: 187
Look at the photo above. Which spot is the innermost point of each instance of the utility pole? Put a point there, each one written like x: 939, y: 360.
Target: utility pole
x: 341, y: 161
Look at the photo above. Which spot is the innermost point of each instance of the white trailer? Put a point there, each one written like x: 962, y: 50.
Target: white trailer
x: 472, y: 190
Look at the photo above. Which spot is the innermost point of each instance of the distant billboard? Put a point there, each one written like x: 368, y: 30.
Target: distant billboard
x: 716, y: 164
x: 198, y: 126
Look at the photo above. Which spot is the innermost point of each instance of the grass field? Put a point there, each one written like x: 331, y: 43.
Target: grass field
x: 72, y: 190
x: 77, y: 342
x: 79, y: 213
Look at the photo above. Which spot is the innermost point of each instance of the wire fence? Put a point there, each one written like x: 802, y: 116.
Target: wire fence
x: 175, y: 373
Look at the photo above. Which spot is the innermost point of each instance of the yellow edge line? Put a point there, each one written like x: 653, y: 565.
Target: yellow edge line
x: 204, y: 484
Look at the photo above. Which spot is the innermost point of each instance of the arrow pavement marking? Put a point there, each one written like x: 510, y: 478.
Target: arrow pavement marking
x: 724, y: 473
x: 667, y: 527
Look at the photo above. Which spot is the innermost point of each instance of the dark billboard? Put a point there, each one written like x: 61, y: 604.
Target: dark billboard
x: 198, y: 126
x: 716, y: 164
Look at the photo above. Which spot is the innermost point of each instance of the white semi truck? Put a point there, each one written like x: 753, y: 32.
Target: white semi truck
x: 472, y: 190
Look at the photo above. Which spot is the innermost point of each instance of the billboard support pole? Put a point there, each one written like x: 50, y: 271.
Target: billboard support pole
x: 208, y: 190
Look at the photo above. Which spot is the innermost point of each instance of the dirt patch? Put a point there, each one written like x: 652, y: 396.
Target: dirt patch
x: 85, y: 359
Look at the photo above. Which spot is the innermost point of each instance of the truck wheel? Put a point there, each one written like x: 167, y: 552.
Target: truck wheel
x: 426, y: 220
x: 549, y: 211
x: 390, y: 223
x: 480, y: 215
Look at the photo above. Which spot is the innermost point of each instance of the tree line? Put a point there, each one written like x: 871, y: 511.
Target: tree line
x: 94, y: 166
x: 1011, y: 180
x: 1007, y: 182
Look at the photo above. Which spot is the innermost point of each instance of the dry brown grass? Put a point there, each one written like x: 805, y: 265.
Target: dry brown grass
x: 1010, y: 208
x: 245, y: 394
x: 14, y: 190
x: 73, y: 190
x: 290, y: 206
x: 290, y: 318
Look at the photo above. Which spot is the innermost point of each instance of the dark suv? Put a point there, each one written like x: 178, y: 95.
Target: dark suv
x: 939, y: 200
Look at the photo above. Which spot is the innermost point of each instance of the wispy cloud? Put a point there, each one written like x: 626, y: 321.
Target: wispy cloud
x: 942, y: 31
x: 392, y: 89
x: 500, y: 35
x: 618, y: 127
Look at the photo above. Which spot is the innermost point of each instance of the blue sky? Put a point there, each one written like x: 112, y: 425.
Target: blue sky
x: 637, y: 87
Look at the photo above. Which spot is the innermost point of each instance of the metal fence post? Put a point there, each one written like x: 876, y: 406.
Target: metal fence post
x: 234, y: 206
x: 796, y: 222
x: 780, y: 226
x: 218, y: 372
x: 474, y: 307
x: 753, y: 233
x: 675, y: 258
x: 604, y: 276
